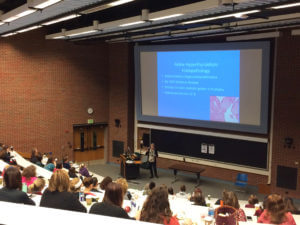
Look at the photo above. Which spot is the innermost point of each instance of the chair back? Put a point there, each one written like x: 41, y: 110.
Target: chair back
x: 242, y: 177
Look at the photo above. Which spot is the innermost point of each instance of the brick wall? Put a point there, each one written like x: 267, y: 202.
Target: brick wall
x: 46, y: 87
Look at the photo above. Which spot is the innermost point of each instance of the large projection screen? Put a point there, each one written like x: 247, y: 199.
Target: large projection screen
x: 221, y: 86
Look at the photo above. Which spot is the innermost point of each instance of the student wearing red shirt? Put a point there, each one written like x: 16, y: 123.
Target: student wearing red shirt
x: 156, y: 208
x: 275, y: 212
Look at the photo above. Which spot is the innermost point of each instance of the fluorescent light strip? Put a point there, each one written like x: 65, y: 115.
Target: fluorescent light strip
x: 1, y: 23
x: 133, y: 23
x: 222, y: 17
x: 81, y: 33
x: 59, y: 37
x: 286, y: 6
x: 46, y: 4
x: 120, y: 2
x: 25, y: 13
x: 166, y: 17
x: 61, y: 19
x: 7, y: 35
x: 28, y: 29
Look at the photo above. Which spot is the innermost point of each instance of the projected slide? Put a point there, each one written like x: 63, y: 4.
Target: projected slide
x: 199, y: 85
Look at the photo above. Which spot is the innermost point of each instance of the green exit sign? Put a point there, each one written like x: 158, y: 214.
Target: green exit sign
x: 90, y: 121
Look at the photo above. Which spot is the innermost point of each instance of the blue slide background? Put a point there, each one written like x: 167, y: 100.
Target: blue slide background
x: 196, y: 105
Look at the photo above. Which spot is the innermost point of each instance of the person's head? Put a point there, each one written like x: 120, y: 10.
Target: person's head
x: 82, y: 165
x: 252, y: 200
x: 72, y: 170
x: 183, y: 188
x: 12, y: 178
x: 50, y: 160
x: 124, y: 184
x: 197, y: 190
x: 230, y: 199
x: 156, y: 208
x: 289, y: 205
x: 198, y: 198
x: 151, y: 185
x: 75, y: 185
x: 105, y: 182
x: 275, y: 208
x: 152, y: 146
x: 59, y: 181
x: 65, y: 159
x: 170, y: 191
x: 114, y: 194
x: 34, y: 152
x: 88, y: 183
x: 37, y: 186
x: 95, y: 182
x: 29, y: 172
x: 59, y: 165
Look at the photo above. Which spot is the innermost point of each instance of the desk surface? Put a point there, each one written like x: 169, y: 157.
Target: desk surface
x: 187, y: 168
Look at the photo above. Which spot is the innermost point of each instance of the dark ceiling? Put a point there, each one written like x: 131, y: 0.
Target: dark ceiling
x: 7, y: 5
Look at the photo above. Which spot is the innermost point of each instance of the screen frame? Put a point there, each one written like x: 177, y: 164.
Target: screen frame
x: 264, y: 118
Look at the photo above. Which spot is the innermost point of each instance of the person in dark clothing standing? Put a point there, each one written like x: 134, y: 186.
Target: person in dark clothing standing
x: 57, y: 195
x: 112, y: 203
x: 152, y: 154
x: 11, y: 192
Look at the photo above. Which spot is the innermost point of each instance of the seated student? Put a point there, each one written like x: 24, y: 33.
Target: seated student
x: 112, y: 202
x: 95, y: 185
x: 66, y: 163
x: 182, y: 193
x: 44, y: 160
x: 29, y: 175
x: 105, y: 182
x: 124, y: 185
x: 252, y: 200
x: 289, y: 206
x: 196, y: 190
x: 75, y: 186
x: 11, y: 192
x: 170, y: 191
x: 59, y: 166
x: 72, y: 173
x: 148, y: 188
x: 88, y: 185
x: 37, y: 186
x: 5, y: 154
x: 50, y: 164
x: 34, y: 156
x: 84, y: 171
x: 156, y: 208
x: 57, y: 195
x: 275, y: 213
x: 199, y: 199
x: 230, y: 199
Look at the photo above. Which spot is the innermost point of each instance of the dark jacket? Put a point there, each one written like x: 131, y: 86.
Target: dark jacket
x: 61, y: 200
x: 107, y: 209
x: 15, y: 196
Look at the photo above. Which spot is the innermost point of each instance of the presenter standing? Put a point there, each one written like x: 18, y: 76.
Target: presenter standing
x: 152, y: 155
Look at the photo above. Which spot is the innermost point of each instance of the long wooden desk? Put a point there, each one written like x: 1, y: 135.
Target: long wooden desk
x: 187, y: 168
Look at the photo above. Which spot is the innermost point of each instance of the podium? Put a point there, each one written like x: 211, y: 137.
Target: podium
x: 129, y: 169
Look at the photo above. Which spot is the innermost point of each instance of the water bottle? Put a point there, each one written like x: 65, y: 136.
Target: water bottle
x: 81, y: 194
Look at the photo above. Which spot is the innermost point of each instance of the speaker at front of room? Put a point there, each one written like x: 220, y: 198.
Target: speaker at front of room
x: 118, y: 148
x: 287, y: 177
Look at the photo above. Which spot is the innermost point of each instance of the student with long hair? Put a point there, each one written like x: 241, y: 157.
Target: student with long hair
x: 156, y: 208
x: 112, y: 202
x: 29, y: 175
x: 11, y: 192
x: 51, y: 164
x: 105, y: 182
x: 57, y: 195
x: 275, y: 212
x: 37, y: 186
x: 230, y: 199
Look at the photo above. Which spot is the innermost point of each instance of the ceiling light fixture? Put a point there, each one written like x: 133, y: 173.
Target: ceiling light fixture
x: 166, y: 17
x: 61, y: 19
x: 9, y: 34
x: 286, y: 6
x: 240, y: 14
x: 130, y: 24
x: 81, y: 33
x: 28, y: 29
x: 120, y: 2
x: 41, y: 4
x: 13, y: 15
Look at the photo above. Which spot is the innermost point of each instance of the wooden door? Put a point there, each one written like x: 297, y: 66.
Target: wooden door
x: 88, y: 143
